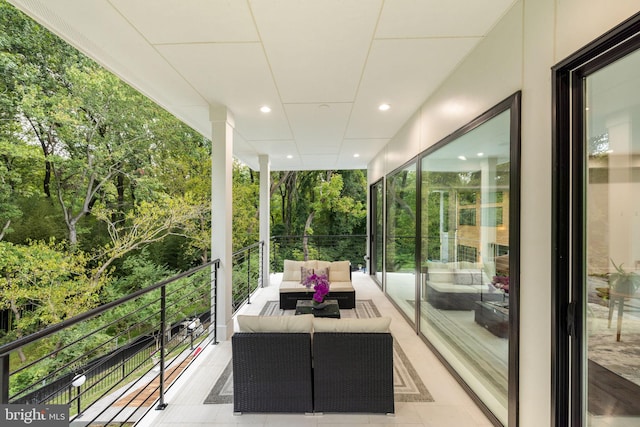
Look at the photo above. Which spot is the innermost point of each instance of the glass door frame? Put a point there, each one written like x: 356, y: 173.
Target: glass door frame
x: 373, y: 227
x: 568, y: 394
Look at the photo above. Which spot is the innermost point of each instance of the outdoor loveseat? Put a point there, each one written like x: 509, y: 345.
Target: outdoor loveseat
x: 340, y: 284
x: 348, y: 368
x: 458, y: 285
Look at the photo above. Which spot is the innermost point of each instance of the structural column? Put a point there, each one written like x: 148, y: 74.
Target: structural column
x: 265, y: 215
x: 221, y: 213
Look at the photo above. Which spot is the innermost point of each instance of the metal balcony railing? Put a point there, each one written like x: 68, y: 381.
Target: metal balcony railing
x: 352, y: 247
x: 247, y: 273
x: 110, y: 364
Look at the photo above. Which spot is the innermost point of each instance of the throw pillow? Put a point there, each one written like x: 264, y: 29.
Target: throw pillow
x: 304, y: 273
x: 322, y: 272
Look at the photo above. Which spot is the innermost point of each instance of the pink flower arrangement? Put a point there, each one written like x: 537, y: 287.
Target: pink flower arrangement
x: 501, y: 282
x: 320, y: 286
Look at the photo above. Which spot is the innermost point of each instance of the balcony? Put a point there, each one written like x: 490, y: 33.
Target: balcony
x: 194, y: 361
x: 451, y: 406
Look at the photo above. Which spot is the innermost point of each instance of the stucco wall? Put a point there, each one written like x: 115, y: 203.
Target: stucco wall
x: 517, y: 55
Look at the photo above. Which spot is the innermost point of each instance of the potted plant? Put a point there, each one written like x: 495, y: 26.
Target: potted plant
x: 622, y: 281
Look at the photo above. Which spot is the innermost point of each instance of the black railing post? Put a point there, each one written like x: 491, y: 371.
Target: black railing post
x: 214, y: 309
x: 249, y: 276
x: 261, y: 269
x: 4, y: 379
x: 163, y: 320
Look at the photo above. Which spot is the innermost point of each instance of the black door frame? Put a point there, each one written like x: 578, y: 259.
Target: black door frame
x: 373, y: 234
x: 568, y: 182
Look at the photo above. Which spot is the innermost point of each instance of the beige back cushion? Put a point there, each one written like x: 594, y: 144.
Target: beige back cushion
x: 339, y: 271
x: 374, y: 324
x: 302, y: 323
x: 292, y: 269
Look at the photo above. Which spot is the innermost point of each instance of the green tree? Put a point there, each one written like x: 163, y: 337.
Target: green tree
x: 42, y: 284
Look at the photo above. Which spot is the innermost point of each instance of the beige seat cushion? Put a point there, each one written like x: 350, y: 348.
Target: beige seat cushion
x: 375, y: 324
x: 340, y: 286
x: 302, y: 323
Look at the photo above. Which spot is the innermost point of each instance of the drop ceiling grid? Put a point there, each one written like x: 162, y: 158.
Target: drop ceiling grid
x: 316, y: 50
x: 402, y: 72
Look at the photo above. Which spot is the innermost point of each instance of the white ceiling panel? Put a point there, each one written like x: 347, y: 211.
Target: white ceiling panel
x: 292, y: 55
x: 276, y: 149
x: 402, y: 73
x: 435, y: 18
x: 190, y: 21
x: 316, y: 161
x: 325, y: 128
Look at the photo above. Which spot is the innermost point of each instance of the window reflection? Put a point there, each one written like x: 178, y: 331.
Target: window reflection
x: 464, y: 284
x: 400, y: 256
x: 613, y: 248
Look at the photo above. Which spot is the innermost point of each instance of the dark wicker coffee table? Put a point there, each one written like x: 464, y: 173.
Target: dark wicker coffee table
x: 332, y: 309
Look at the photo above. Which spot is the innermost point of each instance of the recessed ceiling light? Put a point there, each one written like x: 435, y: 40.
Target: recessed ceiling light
x: 265, y: 109
x: 324, y: 106
x: 356, y: 155
x: 462, y: 157
x: 384, y: 107
x: 289, y: 156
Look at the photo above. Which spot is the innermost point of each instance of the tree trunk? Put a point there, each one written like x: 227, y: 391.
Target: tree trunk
x: 4, y: 229
x: 305, y: 239
x: 118, y: 214
x: 16, y: 314
x: 46, y: 183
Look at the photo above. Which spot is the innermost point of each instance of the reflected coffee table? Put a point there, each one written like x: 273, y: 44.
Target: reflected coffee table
x: 331, y: 309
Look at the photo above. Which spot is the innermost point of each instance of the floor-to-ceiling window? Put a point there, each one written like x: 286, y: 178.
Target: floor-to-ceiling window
x: 597, y: 208
x: 400, y: 252
x: 452, y: 250
x: 466, y: 284
x: 377, y: 230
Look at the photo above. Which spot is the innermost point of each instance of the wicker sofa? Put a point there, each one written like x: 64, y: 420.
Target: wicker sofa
x: 340, y: 284
x: 271, y: 368
x: 306, y: 364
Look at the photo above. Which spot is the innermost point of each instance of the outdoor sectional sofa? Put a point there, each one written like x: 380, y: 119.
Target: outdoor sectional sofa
x: 340, y: 284
x: 458, y: 285
x: 304, y: 364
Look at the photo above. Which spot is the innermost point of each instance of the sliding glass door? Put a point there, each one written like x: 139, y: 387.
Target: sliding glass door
x: 598, y: 212
x: 469, y: 252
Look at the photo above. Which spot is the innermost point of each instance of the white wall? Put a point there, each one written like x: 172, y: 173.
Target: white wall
x: 517, y: 55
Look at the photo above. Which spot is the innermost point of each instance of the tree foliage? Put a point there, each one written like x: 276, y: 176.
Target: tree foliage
x: 91, y: 174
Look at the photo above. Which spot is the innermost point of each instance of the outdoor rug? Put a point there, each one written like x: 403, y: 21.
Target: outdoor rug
x: 408, y: 387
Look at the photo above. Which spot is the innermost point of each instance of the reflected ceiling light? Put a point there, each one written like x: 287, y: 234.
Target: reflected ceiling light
x: 480, y: 154
x: 265, y: 109
x: 609, y: 151
x: 462, y: 157
x: 324, y: 106
x: 384, y: 107
x: 356, y: 155
x: 289, y: 156
x: 452, y: 108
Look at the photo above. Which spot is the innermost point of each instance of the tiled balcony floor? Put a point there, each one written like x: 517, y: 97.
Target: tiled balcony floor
x: 451, y: 406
